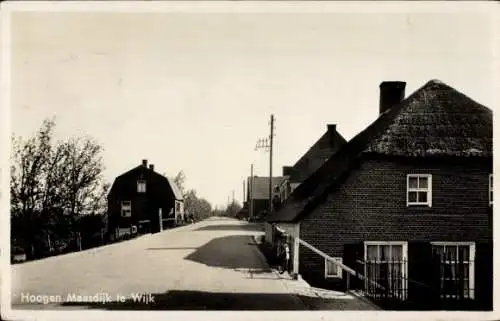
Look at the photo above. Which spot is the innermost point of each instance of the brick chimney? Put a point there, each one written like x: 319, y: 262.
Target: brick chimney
x: 145, y: 162
x: 152, y: 167
x: 332, y: 132
x: 391, y: 94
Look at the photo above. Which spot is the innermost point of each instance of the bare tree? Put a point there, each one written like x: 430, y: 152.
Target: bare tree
x: 180, y: 181
x: 198, y: 207
x: 83, y: 186
x: 205, y: 208
x: 51, y: 184
x: 84, y: 169
x: 29, y: 164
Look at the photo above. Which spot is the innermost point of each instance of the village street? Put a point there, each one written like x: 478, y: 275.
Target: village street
x: 211, y: 265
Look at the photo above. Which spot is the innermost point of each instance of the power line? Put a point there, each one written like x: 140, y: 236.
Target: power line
x: 267, y: 144
x: 250, y: 215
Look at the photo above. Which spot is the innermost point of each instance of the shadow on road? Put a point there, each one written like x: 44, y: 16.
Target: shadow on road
x: 170, y: 248
x: 231, y: 252
x: 198, y: 300
x: 233, y: 227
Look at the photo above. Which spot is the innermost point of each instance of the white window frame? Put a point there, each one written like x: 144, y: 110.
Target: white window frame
x: 404, y: 258
x: 178, y: 208
x: 141, y: 186
x: 337, y: 275
x: 124, y: 207
x: 472, y: 258
x: 417, y: 189
x: 490, y: 189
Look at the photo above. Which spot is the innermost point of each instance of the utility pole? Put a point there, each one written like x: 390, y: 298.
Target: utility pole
x: 267, y: 143
x: 250, y: 215
x: 271, y: 165
x: 233, y: 196
x: 243, y: 201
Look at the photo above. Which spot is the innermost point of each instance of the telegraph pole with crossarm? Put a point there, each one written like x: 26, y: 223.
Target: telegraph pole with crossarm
x: 267, y: 144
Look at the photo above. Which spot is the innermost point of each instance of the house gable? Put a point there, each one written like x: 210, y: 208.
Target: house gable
x: 160, y: 196
x: 260, y: 190
x: 155, y: 182
x: 317, y: 155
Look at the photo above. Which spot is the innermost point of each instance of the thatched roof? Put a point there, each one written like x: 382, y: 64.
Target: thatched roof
x: 317, y: 155
x: 435, y: 121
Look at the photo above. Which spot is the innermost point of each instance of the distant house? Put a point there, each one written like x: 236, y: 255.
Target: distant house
x: 406, y: 203
x: 258, y: 193
x: 143, y: 201
x: 316, y: 156
x: 327, y: 145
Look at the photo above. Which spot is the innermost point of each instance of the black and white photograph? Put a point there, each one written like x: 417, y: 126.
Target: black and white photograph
x: 248, y: 156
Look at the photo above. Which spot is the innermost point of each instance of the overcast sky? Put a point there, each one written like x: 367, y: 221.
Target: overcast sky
x: 194, y: 91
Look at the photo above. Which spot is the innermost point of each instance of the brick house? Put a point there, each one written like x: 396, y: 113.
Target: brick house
x: 406, y: 203
x: 138, y: 198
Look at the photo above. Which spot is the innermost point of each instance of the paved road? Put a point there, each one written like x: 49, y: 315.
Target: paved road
x: 208, y: 265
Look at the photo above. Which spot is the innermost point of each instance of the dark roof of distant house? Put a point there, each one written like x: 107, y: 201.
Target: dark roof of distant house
x: 119, y: 178
x: 436, y: 120
x: 170, y: 181
x: 260, y: 188
x: 316, y: 155
x: 175, y: 188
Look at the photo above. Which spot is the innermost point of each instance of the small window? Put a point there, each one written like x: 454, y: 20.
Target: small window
x: 419, y: 190
x: 126, y: 209
x: 141, y: 186
x: 491, y: 189
x: 332, y: 270
x: 177, y: 207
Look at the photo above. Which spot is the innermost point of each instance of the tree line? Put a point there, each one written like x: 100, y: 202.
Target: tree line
x: 199, y: 208
x: 56, y: 188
